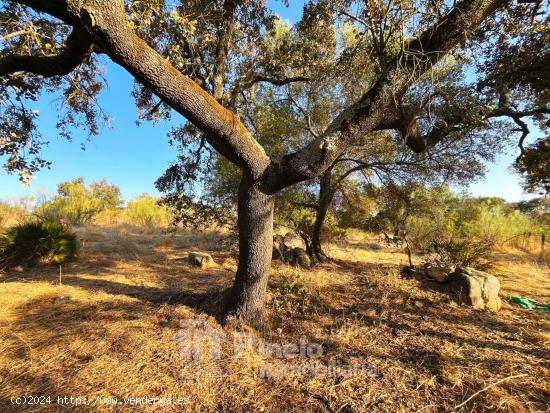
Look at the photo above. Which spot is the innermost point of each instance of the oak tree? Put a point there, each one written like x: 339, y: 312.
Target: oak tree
x: 202, y: 60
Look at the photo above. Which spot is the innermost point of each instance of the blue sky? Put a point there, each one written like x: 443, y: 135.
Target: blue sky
x: 134, y: 157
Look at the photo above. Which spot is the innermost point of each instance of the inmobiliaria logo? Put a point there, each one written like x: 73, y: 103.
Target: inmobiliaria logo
x: 198, y: 340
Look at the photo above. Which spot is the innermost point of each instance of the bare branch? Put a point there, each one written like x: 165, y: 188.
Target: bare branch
x: 307, y: 117
x: 239, y: 88
x: 517, y: 118
x: 55, y: 8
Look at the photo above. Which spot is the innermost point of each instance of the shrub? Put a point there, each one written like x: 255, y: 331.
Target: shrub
x: 145, y: 211
x: 466, y: 251
x: 15, y: 210
x: 77, y: 204
x: 496, y: 222
x: 34, y: 242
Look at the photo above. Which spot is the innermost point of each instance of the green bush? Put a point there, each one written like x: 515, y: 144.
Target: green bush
x: 466, y: 251
x: 34, y: 242
x: 78, y: 204
x: 496, y: 222
x: 145, y: 211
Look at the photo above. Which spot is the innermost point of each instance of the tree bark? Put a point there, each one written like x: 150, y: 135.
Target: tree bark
x: 326, y: 195
x: 255, y: 224
x: 317, y: 247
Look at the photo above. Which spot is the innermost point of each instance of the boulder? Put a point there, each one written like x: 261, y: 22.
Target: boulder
x: 476, y: 288
x: 62, y: 299
x: 293, y: 240
x: 201, y: 260
x: 298, y: 257
x: 439, y: 272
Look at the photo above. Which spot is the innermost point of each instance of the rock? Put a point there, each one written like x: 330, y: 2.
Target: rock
x: 438, y: 271
x: 292, y: 240
x: 200, y: 259
x: 299, y: 258
x: 19, y: 268
x: 292, y: 255
x: 419, y: 304
x: 62, y: 299
x: 476, y: 288
x: 374, y: 247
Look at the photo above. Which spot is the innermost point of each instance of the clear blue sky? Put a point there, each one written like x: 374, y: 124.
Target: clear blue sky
x: 134, y: 157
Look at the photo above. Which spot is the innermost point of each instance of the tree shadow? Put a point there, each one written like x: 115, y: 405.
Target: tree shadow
x: 159, y: 276
x: 64, y: 338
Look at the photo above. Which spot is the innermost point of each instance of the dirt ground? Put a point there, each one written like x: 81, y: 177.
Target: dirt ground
x: 131, y: 319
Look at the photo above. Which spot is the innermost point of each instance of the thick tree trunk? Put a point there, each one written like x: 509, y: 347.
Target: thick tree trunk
x: 316, y: 244
x: 255, y: 224
x: 326, y: 193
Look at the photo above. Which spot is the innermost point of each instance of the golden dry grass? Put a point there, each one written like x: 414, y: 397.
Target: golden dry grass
x: 116, y: 336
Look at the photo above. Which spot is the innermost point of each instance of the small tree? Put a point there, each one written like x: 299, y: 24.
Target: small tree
x: 78, y: 204
x: 145, y: 211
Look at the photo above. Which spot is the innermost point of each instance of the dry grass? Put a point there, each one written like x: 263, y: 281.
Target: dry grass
x: 129, y: 292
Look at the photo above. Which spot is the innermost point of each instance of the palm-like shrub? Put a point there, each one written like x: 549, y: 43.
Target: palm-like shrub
x: 30, y: 243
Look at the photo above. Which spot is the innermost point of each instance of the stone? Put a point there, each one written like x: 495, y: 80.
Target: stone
x: 419, y: 304
x: 201, y: 260
x: 293, y: 240
x: 439, y: 272
x: 476, y: 288
x: 299, y: 258
x: 62, y: 299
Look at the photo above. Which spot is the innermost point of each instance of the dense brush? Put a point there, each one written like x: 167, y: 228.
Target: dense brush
x: 30, y: 243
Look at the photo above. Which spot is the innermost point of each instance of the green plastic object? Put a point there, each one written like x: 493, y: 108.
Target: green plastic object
x: 530, y: 304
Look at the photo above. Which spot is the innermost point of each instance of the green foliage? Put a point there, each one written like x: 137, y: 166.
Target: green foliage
x: 145, y: 211
x: 538, y: 209
x: 41, y: 241
x: 461, y: 229
x: 534, y: 166
x: 465, y: 251
x: 78, y: 204
x: 496, y: 221
x: 294, y: 210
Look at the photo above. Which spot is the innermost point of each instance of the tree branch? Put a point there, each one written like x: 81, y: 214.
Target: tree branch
x: 377, y: 106
x: 55, y: 8
x: 517, y: 118
x: 107, y: 23
x: 307, y: 117
x: 306, y: 205
x: 77, y: 48
x: 276, y: 81
x: 222, y: 48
